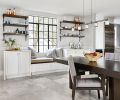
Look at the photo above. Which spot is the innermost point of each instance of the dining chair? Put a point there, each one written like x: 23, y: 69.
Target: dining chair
x: 109, y: 56
x: 112, y: 57
x: 85, y: 83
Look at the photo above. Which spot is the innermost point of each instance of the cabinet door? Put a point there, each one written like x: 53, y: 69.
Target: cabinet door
x: 24, y: 63
x: 11, y: 62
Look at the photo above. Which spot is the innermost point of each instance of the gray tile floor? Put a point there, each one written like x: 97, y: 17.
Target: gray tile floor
x: 43, y: 87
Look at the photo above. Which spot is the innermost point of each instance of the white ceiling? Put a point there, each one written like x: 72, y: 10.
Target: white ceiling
x: 66, y: 7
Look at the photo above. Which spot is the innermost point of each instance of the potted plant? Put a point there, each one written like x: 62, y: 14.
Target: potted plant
x: 10, y: 43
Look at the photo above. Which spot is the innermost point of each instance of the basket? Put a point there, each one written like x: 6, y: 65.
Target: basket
x: 93, y: 56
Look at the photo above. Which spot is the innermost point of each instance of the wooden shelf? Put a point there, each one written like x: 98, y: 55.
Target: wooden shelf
x: 72, y: 22
x: 74, y: 36
x: 62, y: 28
x: 109, y: 31
x: 15, y: 16
x: 71, y: 29
x: 15, y: 25
x: 13, y: 34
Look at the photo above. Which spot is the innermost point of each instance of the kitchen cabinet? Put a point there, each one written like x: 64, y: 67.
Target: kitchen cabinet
x: 16, y: 64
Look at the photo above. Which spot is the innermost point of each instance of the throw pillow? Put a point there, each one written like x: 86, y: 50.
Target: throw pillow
x: 59, y: 52
x: 33, y: 52
x: 51, y: 53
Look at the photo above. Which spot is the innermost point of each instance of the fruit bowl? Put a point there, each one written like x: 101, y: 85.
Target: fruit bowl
x: 93, y: 56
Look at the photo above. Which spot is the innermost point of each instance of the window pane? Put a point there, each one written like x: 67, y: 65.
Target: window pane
x: 50, y: 20
x: 30, y: 26
x: 50, y: 35
x: 45, y: 41
x: 45, y: 34
x: 50, y: 28
x: 30, y: 41
x: 45, y: 48
x: 30, y: 19
x: 46, y: 20
x: 35, y: 19
x: 55, y: 42
x: 41, y: 49
x: 40, y: 34
x: 41, y: 28
x: 40, y: 41
x: 30, y: 34
x: 40, y: 19
x: 35, y: 34
x: 35, y: 41
x: 54, y: 35
x: 45, y: 27
x: 54, y: 21
x: 36, y: 48
x: 52, y: 41
x: 35, y: 27
x: 54, y: 28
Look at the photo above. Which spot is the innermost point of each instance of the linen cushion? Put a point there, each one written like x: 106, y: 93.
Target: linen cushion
x: 42, y: 60
x: 88, y: 82
x: 51, y: 53
x: 59, y: 52
x: 33, y: 52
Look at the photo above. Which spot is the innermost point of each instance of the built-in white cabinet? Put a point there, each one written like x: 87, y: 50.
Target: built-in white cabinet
x: 16, y: 64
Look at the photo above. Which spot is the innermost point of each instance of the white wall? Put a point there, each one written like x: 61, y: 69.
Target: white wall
x: 87, y: 42
x: 20, y: 40
x: 100, y: 33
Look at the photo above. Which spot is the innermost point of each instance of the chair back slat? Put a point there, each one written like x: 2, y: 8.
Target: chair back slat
x: 117, y: 56
x: 109, y: 56
x: 72, y: 67
x: 112, y: 56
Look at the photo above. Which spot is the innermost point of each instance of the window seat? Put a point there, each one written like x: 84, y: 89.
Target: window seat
x: 41, y: 60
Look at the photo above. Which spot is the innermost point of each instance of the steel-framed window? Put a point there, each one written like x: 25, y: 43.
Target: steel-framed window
x: 42, y: 33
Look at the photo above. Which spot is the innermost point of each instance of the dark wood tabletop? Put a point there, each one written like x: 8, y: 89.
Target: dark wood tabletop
x: 102, y: 66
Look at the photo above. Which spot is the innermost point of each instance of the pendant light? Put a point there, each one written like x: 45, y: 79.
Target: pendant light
x: 106, y: 21
x: 86, y: 25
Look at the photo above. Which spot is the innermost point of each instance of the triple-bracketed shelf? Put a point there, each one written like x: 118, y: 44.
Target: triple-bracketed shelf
x: 65, y: 28
x: 15, y: 24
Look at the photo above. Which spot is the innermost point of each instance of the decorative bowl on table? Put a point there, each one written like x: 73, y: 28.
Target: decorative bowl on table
x: 93, y: 56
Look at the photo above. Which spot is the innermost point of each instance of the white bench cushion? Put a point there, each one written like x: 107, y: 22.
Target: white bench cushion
x: 42, y: 60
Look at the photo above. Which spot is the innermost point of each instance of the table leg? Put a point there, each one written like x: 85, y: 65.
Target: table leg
x: 70, y: 81
x: 114, y: 89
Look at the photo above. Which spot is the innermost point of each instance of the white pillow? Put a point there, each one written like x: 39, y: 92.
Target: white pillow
x: 33, y: 52
x: 51, y: 53
x: 59, y: 52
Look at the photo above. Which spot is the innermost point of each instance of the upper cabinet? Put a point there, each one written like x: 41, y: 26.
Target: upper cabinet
x: 15, y: 25
x: 71, y: 29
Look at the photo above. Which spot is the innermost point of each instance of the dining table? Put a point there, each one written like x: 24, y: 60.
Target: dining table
x: 108, y: 68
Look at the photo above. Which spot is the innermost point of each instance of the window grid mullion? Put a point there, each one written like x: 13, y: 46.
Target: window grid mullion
x: 50, y: 36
